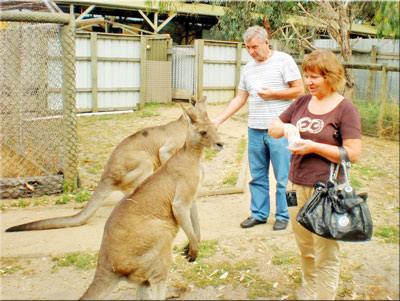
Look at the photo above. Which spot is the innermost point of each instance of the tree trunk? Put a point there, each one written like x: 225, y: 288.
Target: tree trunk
x: 343, y: 39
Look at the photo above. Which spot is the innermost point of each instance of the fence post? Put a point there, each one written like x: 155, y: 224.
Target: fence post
x: 238, y: 65
x: 199, y: 47
x: 371, y: 75
x: 143, y: 59
x: 93, y: 68
x: 70, y: 167
x: 383, y: 99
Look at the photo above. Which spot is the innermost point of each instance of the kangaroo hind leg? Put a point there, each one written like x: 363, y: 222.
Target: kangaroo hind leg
x: 135, y: 177
x: 102, y: 285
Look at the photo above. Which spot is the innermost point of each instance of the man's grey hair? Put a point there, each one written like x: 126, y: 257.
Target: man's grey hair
x: 255, y: 31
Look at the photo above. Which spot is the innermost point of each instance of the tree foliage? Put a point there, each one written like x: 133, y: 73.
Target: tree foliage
x: 240, y: 15
x: 387, y: 19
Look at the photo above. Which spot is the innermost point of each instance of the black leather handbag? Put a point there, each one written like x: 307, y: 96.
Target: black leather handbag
x: 334, y: 213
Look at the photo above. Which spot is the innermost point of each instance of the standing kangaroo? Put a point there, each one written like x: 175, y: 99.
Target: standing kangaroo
x: 138, y: 235
x: 131, y: 162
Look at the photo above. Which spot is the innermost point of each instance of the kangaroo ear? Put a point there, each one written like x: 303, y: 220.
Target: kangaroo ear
x: 193, y: 100
x: 201, y: 105
x: 189, y: 115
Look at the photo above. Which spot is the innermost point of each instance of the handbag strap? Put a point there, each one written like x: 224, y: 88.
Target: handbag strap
x: 344, y: 163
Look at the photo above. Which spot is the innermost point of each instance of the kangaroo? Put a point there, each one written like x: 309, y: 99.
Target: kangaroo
x: 138, y: 235
x: 132, y: 161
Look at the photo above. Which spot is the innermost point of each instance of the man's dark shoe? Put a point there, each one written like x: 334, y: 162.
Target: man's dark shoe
x: 280, y: 225
x: 251, y: 222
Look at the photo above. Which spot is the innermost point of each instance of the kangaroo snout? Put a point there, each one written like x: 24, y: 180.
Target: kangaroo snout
x: 218, y: 146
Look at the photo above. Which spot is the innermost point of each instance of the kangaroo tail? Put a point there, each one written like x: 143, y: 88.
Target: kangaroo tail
x: 101, y: 192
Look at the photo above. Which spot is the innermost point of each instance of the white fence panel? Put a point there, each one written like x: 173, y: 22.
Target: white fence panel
x: 118, y: 72
x: 219, y: 75
x: 183, y: 71
x: 219, y: 72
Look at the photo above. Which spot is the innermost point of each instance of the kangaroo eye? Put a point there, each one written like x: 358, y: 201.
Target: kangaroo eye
x: 203, y: 133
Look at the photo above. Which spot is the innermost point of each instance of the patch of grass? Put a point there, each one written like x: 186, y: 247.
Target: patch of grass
x: 344, y: 292
x: 64, y: 199
x: 40, y: 202
x: 20, y: 203
x: 221, y: 273
x: 95, y: 168
x: 207, y: 248
x: 210, y: 154
x: 82, y: 196
x: 9, y: 266
x: 241, y: 149
x: 80, y: 260
x: 390, y: 234
x: 285, y: 258
x: 204, y: 272
x: 364, y: 173
x: 346, y: 276
x: 259, y: 288
x: 230, y: 179
x: 295, y: 276
x: 150, y: 110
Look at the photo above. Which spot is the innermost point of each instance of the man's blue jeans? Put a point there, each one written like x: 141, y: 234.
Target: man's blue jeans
x: 262, y: 149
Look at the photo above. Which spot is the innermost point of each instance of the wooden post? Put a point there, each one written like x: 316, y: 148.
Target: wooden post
x: 169, y: 49
x: 199, y: 48
x: 143, y: 59
x: 238, y: 66
x: 371, y: 75
x: 70, y: 151
x: 383, y: 99
x: 93, y: 68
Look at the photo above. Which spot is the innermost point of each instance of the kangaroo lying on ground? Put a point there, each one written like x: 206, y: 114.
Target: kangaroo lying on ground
x: 131, y: 162
x: 138, y: 235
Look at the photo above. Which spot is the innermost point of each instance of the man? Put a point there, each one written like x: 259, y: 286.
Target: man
x: 269, y: 83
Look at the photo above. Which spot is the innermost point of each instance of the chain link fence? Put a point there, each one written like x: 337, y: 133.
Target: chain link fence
x: 37, y: 109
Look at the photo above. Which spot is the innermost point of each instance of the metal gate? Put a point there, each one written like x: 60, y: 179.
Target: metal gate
x: 183, y: 72
x: 157, y: 68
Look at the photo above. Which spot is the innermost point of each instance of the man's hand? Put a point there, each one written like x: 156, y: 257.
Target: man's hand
x: 216, y: 122
x: 266, y: 93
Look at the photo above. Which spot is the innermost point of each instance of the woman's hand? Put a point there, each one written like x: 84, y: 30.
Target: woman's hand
x: 302, y: 147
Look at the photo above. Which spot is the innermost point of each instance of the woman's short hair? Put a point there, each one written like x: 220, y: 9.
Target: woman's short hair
x: 255, y: 31
x: 326, y: 63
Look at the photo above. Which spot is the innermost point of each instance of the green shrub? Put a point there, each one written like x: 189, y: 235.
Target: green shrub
x: 370, y: 115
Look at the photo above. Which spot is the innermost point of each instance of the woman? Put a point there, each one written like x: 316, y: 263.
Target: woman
x: 325, y: 120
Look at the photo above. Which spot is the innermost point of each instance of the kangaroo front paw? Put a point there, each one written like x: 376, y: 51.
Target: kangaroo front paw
x: 185, y: 251
x: 189, y: 253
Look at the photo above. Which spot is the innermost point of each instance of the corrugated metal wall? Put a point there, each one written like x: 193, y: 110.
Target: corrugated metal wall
x: 117, y: 62
x: 183, y: 75
x: 219, y: 63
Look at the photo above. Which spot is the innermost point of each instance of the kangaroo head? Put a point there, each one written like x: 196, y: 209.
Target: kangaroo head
x: 201, y: 131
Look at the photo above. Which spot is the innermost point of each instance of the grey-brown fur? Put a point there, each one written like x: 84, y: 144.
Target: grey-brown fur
x: 138, y: 235
x: 131, y: 162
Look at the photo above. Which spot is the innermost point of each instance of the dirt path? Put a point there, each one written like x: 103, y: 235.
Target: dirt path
x: 237, y: 263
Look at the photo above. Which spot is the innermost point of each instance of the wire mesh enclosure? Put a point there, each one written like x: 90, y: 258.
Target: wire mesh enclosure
x: 37, y: 109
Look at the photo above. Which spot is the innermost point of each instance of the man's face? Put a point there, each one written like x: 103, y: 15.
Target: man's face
x: 258, y: 49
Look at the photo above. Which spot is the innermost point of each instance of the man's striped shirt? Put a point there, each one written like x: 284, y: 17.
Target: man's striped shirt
x: 274, y: 74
